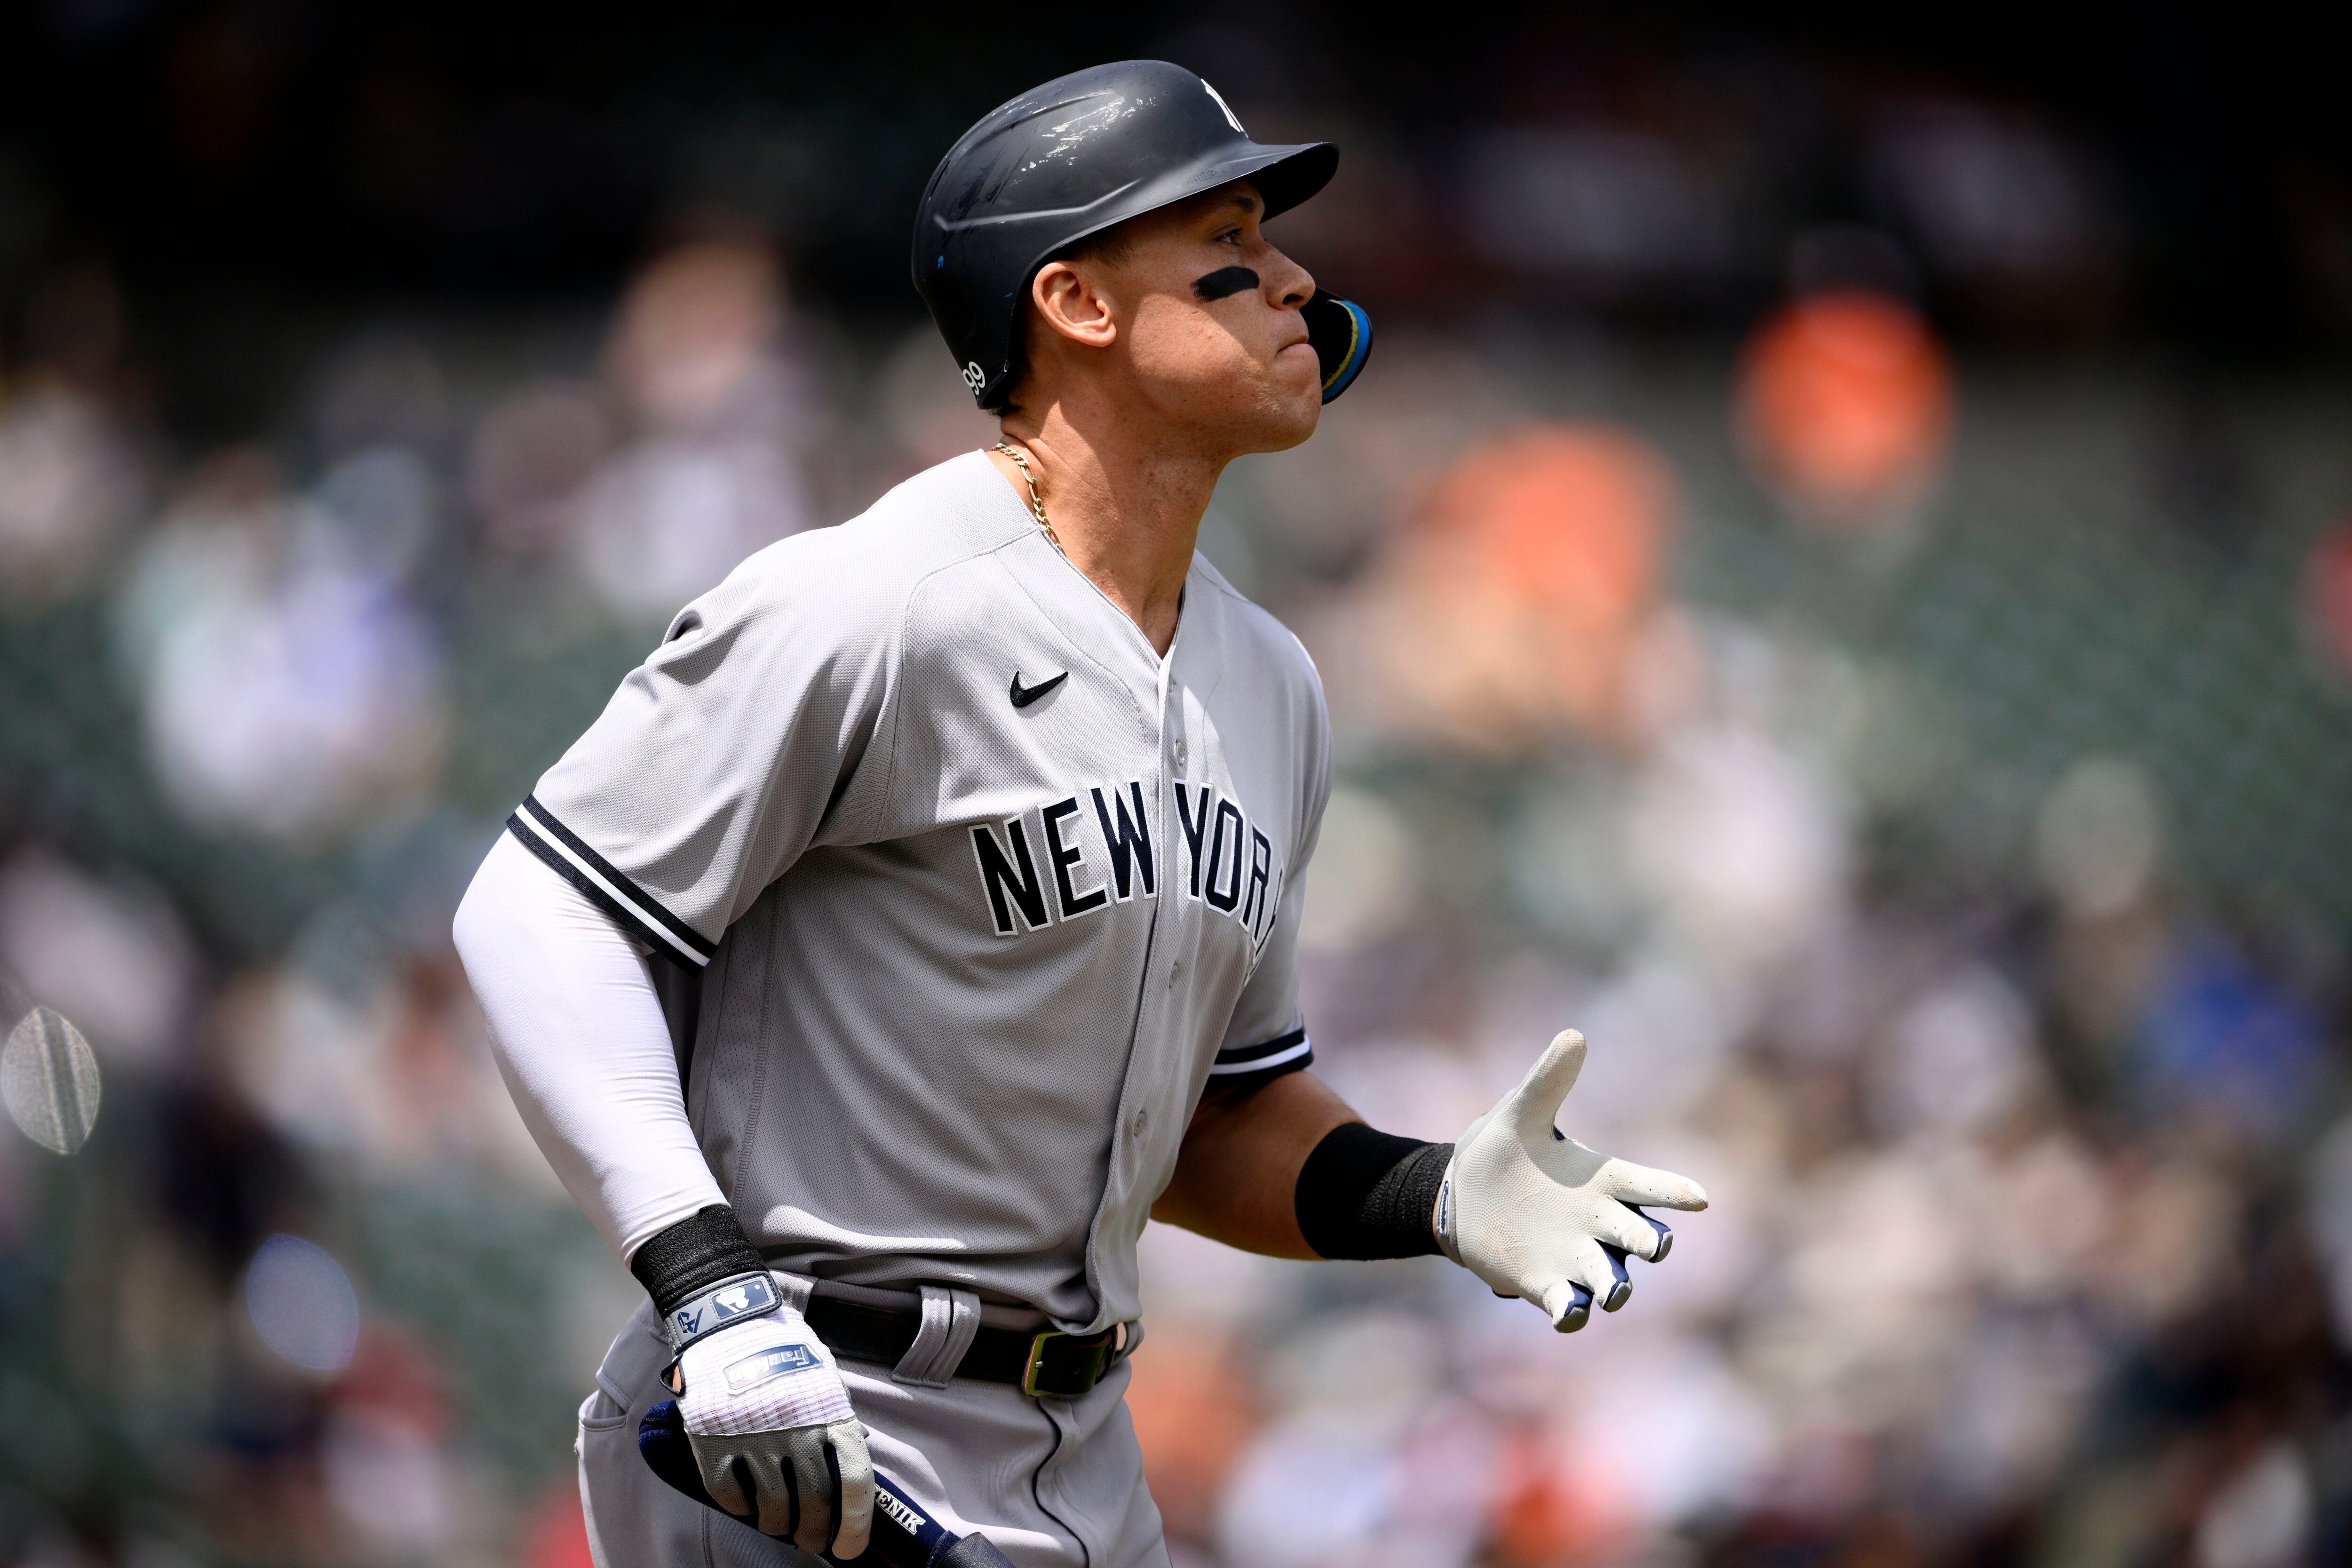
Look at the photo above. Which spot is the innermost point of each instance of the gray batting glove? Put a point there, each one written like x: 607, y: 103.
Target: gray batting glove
x: 1527, y: 1210
x: 774, y: 1436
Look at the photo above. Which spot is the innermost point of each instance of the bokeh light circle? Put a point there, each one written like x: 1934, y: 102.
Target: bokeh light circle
x: 1846, y: 404
x: 48, y: 1081
x: 302, y: 1304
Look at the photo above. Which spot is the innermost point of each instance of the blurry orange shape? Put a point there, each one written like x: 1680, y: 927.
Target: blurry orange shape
x: 1846, y: 404
x: 1570, y: 516
x: 1555, y: 1508
x: 1192, y: 1413
x: 693, y: 327
x: 555, y: 1534
x: 1520, y: 596
x: 2327, y: 594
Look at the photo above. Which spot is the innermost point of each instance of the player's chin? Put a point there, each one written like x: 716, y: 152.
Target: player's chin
x: 1293, y: 402
x: 1277, y: 424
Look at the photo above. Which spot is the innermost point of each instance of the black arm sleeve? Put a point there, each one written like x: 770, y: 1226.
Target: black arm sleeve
x: 1365, y: 1194
x: 693, y: 1254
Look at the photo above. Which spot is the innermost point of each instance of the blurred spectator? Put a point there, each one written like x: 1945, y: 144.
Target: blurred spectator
x: 1845, y: 407
x: 109, y: 954
x: 387, y: 1418
x: 2099, y: 838
x: 2223, y: 1040
x: 1534, y: 565
x: 1399, y: 1475
x: 1748, y: 848
x: 704, y: 365
x: 291, y: 684
x: 70, y: 478
x: 1193, y: 1407
x: 387, y: 1067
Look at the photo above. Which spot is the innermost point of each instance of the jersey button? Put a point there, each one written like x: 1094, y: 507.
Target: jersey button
x: 1175, y: 972
x: 1179, y: 755
x: 1142, y: 1122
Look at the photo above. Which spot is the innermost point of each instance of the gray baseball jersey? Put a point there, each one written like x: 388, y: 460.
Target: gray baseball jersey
x: 970, y: 892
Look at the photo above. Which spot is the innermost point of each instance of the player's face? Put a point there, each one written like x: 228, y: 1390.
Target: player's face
x: 1215, y: 340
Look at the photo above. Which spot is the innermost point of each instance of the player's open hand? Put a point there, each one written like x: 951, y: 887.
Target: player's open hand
x: 774, y: 1436
x: 1538, y: 1215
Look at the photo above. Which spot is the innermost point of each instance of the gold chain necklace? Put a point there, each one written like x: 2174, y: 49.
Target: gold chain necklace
x: 1036, y: 504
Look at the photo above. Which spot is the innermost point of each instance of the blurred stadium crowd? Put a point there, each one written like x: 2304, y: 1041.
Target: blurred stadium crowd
x: 1919, y: 770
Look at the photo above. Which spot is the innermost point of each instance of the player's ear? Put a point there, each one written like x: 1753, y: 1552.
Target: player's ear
x: 1069, y: 300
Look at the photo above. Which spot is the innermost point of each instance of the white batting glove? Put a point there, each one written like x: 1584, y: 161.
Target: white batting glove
x: 774, y: 1436
x: 1527, y: 1210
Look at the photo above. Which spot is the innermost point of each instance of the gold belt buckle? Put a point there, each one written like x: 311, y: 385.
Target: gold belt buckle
x: 1037, y: 1364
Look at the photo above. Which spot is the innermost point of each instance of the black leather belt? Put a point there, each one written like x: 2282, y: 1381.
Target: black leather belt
x: 1051, y: 1362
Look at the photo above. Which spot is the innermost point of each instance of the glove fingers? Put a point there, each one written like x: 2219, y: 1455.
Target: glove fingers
x: 811, y: 1471
x: 1568, y: 1304
x: 1622, y: 1281
x: 781, y: 1504
x: 1631, y: 1183
x: 730, y: 1488
x: 1624, y: 1229
x: 846, y: 1440
x: 1590, y: 1266
x: 1536, y: 1102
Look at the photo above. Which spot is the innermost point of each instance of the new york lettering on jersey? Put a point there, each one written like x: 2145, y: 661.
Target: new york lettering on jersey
x: 1086, y: 860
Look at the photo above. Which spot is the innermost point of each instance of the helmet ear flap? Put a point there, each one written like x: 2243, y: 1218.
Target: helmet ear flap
x: 1340, y: 333
x: 993, y: 391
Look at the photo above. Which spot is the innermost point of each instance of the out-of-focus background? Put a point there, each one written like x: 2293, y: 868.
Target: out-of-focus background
x: 1837, y: 580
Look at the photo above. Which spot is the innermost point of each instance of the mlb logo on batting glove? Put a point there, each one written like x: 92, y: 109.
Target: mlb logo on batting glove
x: 748, y: 1296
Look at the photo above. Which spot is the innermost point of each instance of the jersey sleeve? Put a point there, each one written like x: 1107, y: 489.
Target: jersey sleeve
x: 1267, y: 1035
x: 754, y: 731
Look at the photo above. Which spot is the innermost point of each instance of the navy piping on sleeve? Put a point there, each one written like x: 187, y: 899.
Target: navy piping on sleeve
x: 590, y: 872
x: 1248, y: 1066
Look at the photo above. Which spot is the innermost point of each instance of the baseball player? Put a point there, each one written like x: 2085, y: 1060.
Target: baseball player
x: 920, y: 917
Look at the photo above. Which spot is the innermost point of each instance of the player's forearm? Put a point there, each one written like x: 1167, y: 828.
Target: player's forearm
x: 1289, y: 1171
x: 580, y: 1039
x: 1239, y: 1166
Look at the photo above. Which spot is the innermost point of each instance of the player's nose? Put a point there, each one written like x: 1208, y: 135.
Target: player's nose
x: 1288, y: 284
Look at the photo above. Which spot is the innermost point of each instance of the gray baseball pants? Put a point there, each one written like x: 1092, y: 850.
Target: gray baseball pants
x: 1052, y: 1483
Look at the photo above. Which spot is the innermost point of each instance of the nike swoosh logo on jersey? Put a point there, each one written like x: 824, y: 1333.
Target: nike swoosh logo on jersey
x: 1025, y: 695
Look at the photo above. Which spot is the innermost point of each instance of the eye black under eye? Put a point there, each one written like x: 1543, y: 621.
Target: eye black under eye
x: 1225, y: 281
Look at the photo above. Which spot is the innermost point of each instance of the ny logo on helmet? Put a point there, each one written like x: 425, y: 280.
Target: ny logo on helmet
x: 974, y: 377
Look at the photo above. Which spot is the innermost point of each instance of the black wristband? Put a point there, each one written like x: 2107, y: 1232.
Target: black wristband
x: 673, y: 1264
x: 1366, y: 1194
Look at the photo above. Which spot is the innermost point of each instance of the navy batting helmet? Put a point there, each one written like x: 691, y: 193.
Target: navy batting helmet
x: 1068, y: 160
